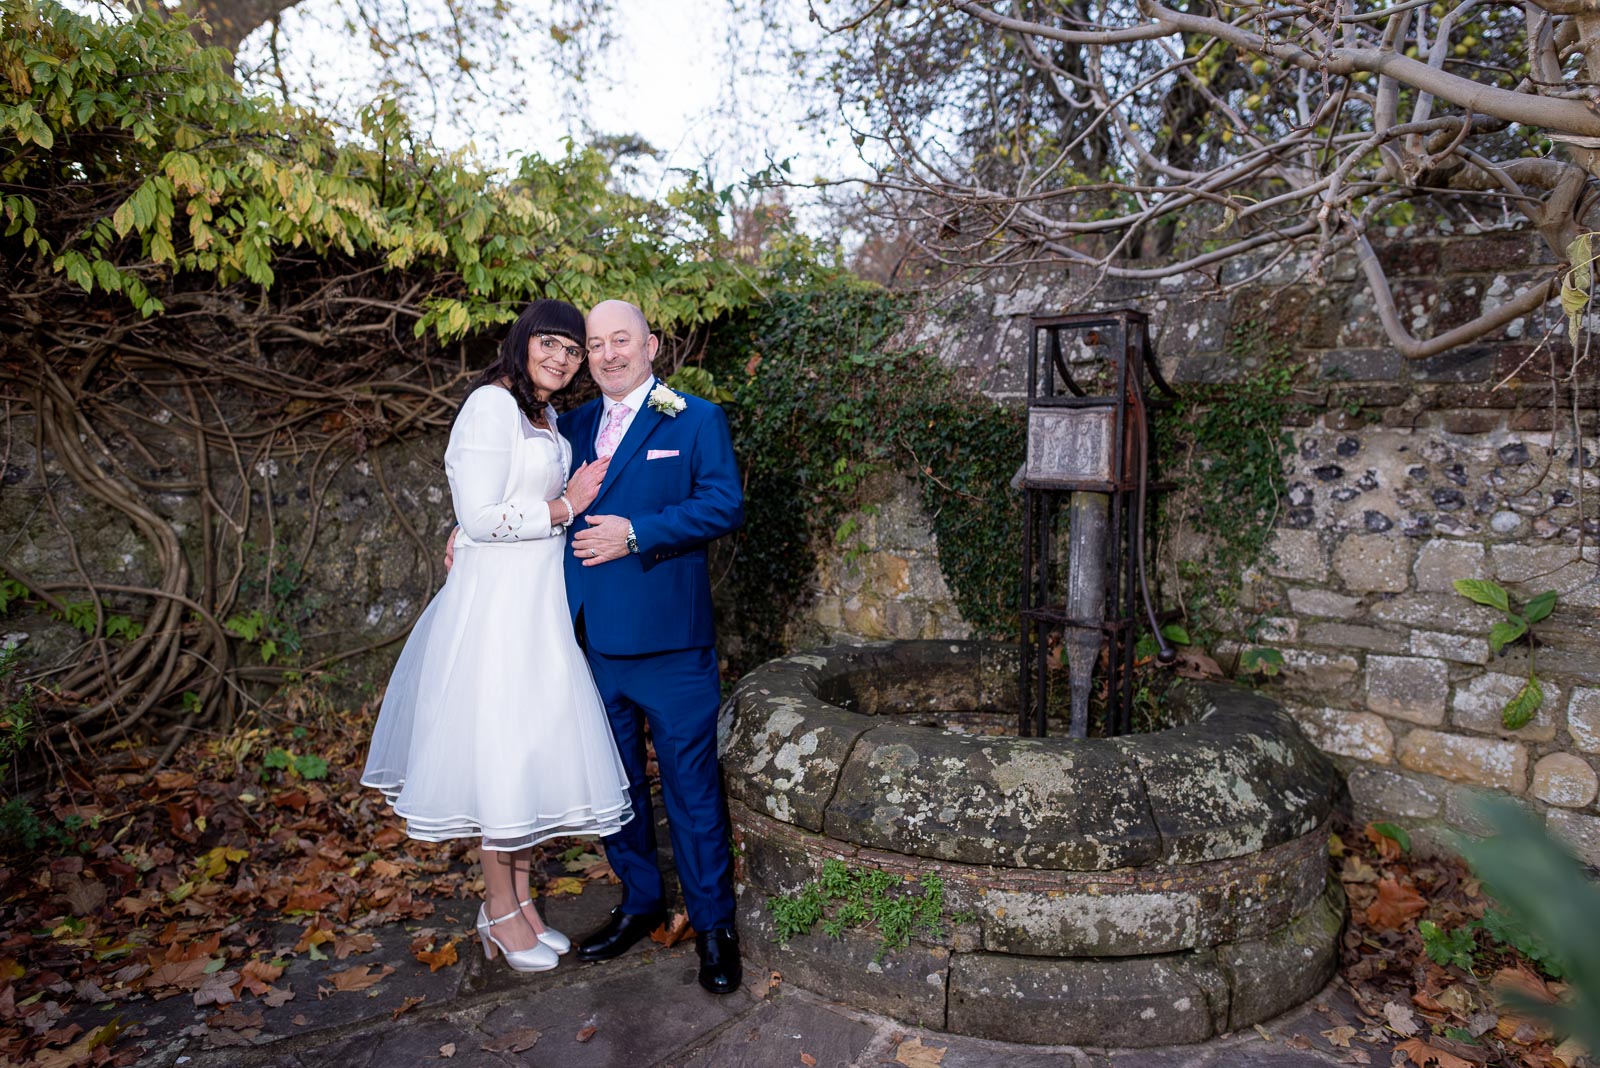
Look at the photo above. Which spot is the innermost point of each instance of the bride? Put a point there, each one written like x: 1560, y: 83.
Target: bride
x: 491, y: 726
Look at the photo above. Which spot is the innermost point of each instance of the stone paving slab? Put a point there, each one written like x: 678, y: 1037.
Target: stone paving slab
x: 647, y: 1012
x: 779, y: 1033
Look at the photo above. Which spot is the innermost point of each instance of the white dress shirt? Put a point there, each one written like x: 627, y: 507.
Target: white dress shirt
x: 634, y: 401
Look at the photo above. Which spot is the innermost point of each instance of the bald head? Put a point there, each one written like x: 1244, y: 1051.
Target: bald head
x: 612, y: 311
x: 621, y: 347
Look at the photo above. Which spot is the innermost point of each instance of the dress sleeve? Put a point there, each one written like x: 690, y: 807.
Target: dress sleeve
x: 478, y: 461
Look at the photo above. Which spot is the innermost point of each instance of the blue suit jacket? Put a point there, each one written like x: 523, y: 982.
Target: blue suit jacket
x: 688, y: 495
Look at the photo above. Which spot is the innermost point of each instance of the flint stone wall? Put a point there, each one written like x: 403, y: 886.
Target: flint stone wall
x: 1478, y: 463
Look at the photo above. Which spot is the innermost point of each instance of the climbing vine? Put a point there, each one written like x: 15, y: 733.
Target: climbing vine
x: 824, y: 396
x: 204, y: 288
x: 1225, y: 447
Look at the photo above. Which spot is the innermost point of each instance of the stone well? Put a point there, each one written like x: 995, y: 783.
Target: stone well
x: 1136, y: 891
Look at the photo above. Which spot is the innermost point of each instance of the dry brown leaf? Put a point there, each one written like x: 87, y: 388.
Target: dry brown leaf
x: 913, y: 1054
x: 217, y: 989
x: 566, y: 884
x: 1400, y: 1019
x: 447, y: 1050
x: 257, y: 976
x: 276, y: 997
x: 1356, y: 870
x: 344, y: 945
x: 673, y: 931
x: 360, y: 977
x: 1388, y: 848
x: 184, y: 974
x: 1396, y: 905
x: 438, y: 958
x: 1568, y: 1054
x: 1523, y: 982
x: 585, y: 1033
x: 73, y: 1056
x: 314, y: 935
x: 1422, y: 1055
x: 407, y: 1005
x: 515, y: 1041
x: 1339, y: 1036
x: 808, y: 1060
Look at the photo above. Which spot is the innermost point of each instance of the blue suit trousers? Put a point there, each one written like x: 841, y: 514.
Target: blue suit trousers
x: 678, y: 694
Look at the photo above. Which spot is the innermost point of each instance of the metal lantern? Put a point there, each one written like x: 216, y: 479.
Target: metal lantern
x: 1089, y: 402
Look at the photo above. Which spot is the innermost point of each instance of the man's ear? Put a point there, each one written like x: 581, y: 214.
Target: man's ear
x: 651, y: 346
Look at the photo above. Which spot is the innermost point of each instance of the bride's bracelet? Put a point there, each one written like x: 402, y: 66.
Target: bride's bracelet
x: 571, y: 515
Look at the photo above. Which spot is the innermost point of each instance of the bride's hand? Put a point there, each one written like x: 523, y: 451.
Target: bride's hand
x: 585, y: 483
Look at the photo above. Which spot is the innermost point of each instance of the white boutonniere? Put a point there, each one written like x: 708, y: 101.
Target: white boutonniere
x: 665, y: 401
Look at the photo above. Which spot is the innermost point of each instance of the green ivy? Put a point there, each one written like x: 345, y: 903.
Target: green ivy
x: 824, y: 397
x: 1225, y: 445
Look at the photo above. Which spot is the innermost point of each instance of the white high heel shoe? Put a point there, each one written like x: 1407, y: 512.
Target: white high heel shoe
x: 541, y: 958
x: 549, y: 936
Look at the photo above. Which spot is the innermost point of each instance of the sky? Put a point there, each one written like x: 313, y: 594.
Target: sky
x: 703, y: 81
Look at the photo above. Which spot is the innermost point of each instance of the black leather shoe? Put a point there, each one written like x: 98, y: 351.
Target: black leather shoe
x: 622, y: 930
x: 720, y: 970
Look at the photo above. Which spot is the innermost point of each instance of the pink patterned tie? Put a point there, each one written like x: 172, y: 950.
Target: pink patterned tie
x: 611, y: 433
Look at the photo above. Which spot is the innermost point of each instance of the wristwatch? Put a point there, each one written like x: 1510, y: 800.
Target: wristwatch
x: 633, y: 540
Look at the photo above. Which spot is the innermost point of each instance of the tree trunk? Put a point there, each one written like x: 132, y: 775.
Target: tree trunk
x: 231, y: 21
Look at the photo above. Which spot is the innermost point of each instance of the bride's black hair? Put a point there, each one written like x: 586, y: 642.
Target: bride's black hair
x: 541, y: 317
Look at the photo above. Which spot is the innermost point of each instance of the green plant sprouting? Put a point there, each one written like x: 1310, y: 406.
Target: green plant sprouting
x: 1520, y: 710
x: 843, y: 898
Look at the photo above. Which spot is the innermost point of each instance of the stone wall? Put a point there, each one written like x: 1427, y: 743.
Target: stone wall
x: 364, y: 576
x: 1477, y: 463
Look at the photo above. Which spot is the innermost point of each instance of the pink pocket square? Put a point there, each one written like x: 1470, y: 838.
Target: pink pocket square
x: 660, y: 454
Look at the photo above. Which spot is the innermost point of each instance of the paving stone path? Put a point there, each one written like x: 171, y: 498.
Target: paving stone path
x: 646, y: 1011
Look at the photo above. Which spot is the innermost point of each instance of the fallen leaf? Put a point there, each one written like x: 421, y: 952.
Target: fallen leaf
x: 447, y: 1050
x: 586, y: 1033
x: 1422, y: 1054
x: 914, y: 1054
x: 1388, y: 848
x: 217, y: 989
x: 437, y: 958
x: 673, y: 931
x: 1339, y: 1036
x: 257, y: 976
x: 1523, y: 982
x: 1568, y: 1054
x: 512, y: 1041
x: 299, y: 1019
x: 1400, y: 1019
x: 407, y: 1005
x: 236, y: 1017
x: 1395, y: 906
x: 360, y: 977
x: 276, y: 997
x: 566, y: 884
x: 807, y: 1059
x: 185, y: 974
x: 73, y: 1056
x: 344, y: 945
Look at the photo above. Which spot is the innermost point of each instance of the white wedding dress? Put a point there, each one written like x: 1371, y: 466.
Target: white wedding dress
x: 491, y: 726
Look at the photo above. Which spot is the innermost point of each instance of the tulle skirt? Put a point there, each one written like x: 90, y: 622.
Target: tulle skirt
x: 491, y: 726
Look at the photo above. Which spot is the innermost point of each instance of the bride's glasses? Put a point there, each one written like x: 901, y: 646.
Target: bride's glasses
x: 552, y: 345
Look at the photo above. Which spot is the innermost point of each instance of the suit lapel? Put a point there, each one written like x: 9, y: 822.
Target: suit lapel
x: 644, y: 423
x: 579, y: 431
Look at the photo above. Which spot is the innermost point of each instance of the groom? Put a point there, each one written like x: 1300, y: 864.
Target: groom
x: 640, y: 596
